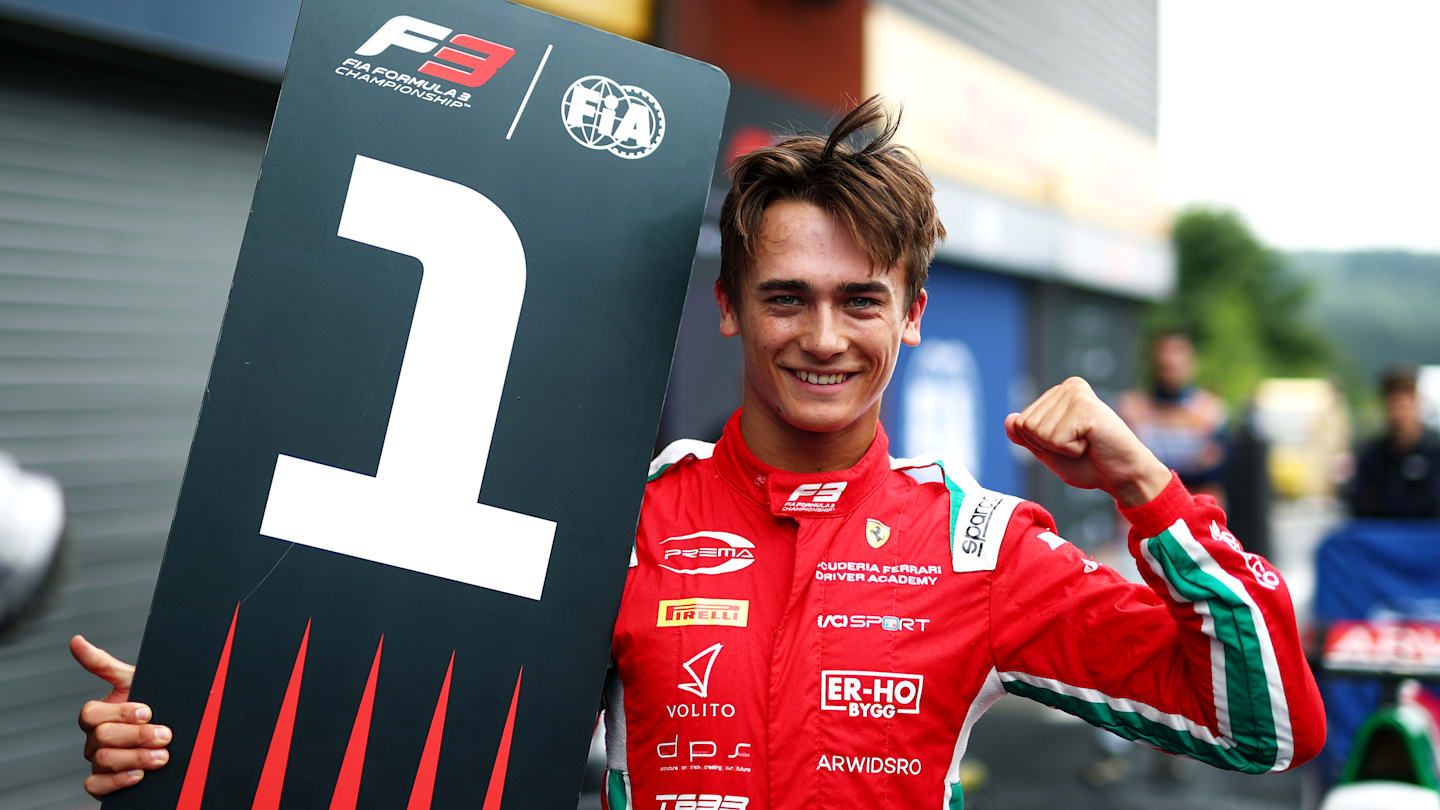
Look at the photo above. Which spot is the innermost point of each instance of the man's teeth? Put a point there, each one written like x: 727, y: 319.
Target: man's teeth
x: 821, y: 379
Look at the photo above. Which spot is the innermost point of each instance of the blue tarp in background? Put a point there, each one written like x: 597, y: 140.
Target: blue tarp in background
x: 1371, y: 570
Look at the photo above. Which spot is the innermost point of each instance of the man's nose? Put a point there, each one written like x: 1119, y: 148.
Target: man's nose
x: 825, y: 337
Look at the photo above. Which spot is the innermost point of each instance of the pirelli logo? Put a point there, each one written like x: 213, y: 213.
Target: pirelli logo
x: 721, y: 612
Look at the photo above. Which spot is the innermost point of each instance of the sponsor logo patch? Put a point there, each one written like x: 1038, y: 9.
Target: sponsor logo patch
x: 858, y: 621
x: 604, y: 115
x: 1263, y: 575
x: 703, y: 611
x: 701, y: 801
x: 845, y: 763
x: 456, y: 63
x: 862, y: 693
x: 700, y: 686
x: 876, y: 533
x: 702, y: 755
x: 980, y: 528
x: 855, y: 571
x: 815, y: 499
x: 706, y: 553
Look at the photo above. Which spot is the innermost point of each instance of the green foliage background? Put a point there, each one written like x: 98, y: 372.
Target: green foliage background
x: 1250, y: 315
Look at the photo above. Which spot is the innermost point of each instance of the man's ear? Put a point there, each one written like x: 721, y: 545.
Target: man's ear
x: 911, y: 335
x: 729, y: 318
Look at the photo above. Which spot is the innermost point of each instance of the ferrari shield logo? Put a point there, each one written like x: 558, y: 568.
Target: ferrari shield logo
x: 876, y: 533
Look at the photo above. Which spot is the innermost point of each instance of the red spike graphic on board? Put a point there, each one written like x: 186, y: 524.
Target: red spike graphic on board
x: 192, y: 790
x: 347, y: 787
x: 272, y: 776
x: 502, y: 756
x: 347, y: 784
x: 430, y: 757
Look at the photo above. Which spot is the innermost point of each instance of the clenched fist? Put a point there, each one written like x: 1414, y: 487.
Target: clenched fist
x: 1087, y: 444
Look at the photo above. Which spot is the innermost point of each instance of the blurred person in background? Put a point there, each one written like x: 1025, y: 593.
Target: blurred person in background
x: 1183, y: 424
x: 1397, y: 474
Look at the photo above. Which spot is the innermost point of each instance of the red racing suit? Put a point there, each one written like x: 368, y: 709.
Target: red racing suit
x: 792, y: 640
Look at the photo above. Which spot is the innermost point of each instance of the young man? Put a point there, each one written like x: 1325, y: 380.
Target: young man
x: 1397, y: 474
x: 1183, y: 424
x: 810, y: 623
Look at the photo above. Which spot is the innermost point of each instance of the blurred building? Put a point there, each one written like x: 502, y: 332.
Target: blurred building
x: 131, y: 134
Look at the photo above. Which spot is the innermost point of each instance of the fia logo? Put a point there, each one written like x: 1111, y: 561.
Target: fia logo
x: 470, y: 68
x: 621, y: 119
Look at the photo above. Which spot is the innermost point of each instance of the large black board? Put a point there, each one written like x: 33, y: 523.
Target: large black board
x: 323, y: 315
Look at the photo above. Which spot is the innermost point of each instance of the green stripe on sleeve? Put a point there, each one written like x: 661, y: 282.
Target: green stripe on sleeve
x: 1252, y: 722
x: 954, y: 796
x: 617, y: 791
x: 1134, y: 726
x: 957, y: 497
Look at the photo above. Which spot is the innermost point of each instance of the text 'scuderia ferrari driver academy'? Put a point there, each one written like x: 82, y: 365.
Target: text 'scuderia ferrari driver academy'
x: 842, y: 660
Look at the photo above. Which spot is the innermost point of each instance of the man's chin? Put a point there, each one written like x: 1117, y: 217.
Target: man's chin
x: 822, y: 419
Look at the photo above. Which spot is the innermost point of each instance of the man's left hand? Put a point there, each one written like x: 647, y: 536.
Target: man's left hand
x: 1087, y: 444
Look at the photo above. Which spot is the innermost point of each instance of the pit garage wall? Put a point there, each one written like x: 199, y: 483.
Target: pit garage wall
x: 1077, y: 332
x: 123, y: 197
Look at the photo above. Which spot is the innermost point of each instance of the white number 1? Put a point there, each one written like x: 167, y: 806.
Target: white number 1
x: 419, y: 512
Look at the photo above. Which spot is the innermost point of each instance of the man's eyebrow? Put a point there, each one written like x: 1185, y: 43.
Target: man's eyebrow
x: 784, y: 285
x: 863, y: 287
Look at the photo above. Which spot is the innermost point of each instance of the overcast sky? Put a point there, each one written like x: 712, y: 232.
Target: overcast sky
x: 1319, y: 121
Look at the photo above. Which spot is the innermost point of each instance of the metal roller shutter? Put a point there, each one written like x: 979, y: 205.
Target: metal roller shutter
x: 119, y: 226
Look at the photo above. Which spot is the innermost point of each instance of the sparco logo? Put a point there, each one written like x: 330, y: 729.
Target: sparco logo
x: 978, y: 524
x: 815, y: 497
x: 621, y: 119
x: 733, y: 555
x: 701, y: 801
x: 870, y: 694
x: 466, y: 60
x: 860, y: 622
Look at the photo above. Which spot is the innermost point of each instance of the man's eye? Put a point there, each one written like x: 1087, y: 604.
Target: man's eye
x: 786, y: 300
x: 862, y: 303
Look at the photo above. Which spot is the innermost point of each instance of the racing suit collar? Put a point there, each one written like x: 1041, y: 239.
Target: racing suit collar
x: 796, y: 495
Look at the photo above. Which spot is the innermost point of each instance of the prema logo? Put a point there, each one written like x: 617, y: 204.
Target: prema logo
x: 815, y: 498
x: 733, y: 554
x: 622, y: 119
x: 471, y: 67
x: 703, y: 611
x: 701, y: 801
x: 870, y: 694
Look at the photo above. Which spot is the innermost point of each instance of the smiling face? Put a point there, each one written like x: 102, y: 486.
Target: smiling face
x: 820, y: 329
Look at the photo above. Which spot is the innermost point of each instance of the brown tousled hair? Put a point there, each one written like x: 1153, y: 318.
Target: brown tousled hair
x: 878, y: 192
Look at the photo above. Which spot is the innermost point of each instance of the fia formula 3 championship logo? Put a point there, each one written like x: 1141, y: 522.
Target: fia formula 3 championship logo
x: 463, y: 61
